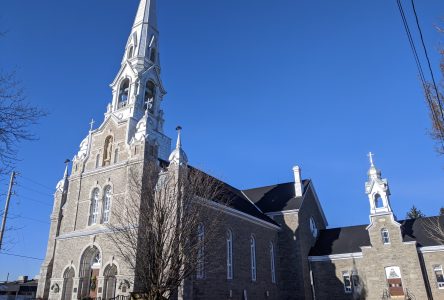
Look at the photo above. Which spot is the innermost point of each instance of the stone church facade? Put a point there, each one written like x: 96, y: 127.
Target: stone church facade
x: 274, y: 243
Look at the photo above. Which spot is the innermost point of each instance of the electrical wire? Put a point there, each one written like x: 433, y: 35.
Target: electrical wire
x: 428, y: 60
x: 35, y: 182
x: 420, y: 69
x: 34, y: 190
x: 22, y: 256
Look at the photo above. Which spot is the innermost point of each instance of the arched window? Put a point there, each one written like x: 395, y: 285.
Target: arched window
x: 313, y: 228
x: 106, y: 204
x: 272, y: 262
x: 153, y: 54
x: 148, y: 101
x: 123, y: 93
x: 378, y: 201
x: 200, y: 252
x: 94, y: 207
x: 229, y: 254
x: 116, y: 156
x: 385, y: 236
x: 253, y: 257
x: 130, y: 51
x: 107, y: 151
x: 109, y: 286
x: 68, y: 284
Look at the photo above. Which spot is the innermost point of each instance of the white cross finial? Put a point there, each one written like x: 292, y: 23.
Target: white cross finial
x: 370, y: 156
x: 91, y: 124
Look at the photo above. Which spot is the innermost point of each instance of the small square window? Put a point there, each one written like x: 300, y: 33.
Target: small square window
x: 439, y: 276
x: 347, y: 282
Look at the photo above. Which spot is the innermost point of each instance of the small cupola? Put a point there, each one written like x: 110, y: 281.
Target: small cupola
x: 178, y: 157
x: 377, y: 190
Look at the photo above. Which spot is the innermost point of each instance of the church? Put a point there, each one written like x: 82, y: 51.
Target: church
x: 277, y: 243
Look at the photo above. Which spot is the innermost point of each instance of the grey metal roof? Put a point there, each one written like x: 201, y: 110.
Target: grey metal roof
x: 277, y: 197
x: 350, y: 239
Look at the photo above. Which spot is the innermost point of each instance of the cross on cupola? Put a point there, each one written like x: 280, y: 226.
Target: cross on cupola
x: 377, y: 190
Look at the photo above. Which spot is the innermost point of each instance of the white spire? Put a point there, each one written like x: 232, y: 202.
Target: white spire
x: 377, y: 190
x: 146, y: 14
x: 178, y: 156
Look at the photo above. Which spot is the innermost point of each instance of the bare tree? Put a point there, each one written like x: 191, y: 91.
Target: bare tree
x: 165, y: 228
x: 434, y: 227
x: 435, y: 101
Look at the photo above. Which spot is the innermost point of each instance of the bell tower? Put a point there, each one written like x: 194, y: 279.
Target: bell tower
x: 377, y: 190
x: 137, y: 89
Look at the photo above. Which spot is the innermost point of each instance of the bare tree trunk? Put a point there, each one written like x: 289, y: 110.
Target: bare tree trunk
x: 164, y: 225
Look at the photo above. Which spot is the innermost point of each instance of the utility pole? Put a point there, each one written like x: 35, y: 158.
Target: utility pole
x: 5, y: 213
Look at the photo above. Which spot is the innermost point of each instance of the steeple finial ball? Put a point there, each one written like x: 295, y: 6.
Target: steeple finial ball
x: 179, y: 128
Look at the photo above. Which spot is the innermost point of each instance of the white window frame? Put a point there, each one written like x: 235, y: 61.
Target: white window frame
x: 94, y: 207
x: 229, y: 254
x: 200, y: 270
x: 346, y: 277
x: 106, y: 204
x: 385, y: 236
x: 253, y: 258
x: 272, y: 263
x: 313, y: 228
x: 438, y: 268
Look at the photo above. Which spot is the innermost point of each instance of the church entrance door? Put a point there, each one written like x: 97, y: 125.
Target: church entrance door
x: 394, y: 281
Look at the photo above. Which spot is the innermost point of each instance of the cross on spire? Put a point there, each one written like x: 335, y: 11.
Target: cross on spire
x: 370, y: 156
x: 91, y: 124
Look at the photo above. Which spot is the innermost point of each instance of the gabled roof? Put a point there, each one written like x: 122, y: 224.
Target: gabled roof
x: 278, y: 197
x: 351, y: 239
x: 341, y: 240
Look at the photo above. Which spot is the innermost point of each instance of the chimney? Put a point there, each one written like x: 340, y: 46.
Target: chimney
x: 297, y: 181
x: 23, y: 279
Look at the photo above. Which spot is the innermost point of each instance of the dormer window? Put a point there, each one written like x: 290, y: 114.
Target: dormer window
x: 385, y: 235
x: 123, y: 93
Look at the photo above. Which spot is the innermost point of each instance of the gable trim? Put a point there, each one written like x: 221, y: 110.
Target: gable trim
x: 335, y: 257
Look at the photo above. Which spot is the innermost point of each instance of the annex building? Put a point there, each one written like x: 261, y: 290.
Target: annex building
x: 276, y: 244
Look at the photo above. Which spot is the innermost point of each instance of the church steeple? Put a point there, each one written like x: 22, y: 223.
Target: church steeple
x: 137, y: 86
x: 377, y: 190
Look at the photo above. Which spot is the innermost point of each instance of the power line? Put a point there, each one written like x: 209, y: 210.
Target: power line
x: 428, y: 60
x: 34, y: 200
x: 30, y: 219
x: 22, y: 256
x: 36, y: 182
x: 420, y: 69
x: 35, y: 191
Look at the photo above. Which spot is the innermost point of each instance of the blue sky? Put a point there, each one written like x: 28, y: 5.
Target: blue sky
x: 258, y: 87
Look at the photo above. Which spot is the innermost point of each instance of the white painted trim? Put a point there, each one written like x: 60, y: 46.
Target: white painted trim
x: 430, y: 249
x: 99, y: 229
x: 336, y: 256
x: 251, y: 202
x: 236, y: 213
x: 284, y: 212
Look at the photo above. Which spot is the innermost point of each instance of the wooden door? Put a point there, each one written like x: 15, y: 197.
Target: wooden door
x: 93, y: 283
x: 395, y: 287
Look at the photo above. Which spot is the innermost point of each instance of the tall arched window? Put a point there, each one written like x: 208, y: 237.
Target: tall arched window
x: 148, y: 102
x: 90, y: 265
x: 107, y: 151
x: 94, y: 207
x: 253, y: 257
x: 200, y: 252
x: 229, y: 254
x: 272, y: 263
x: 123, y: 93
x: 68, y: 284
x: 106, y: 204
x: 109, y: 285
x: 385, y: 235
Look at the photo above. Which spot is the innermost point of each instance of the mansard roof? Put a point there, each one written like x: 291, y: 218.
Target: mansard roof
x: 350, y: 239
x: 277, y: 197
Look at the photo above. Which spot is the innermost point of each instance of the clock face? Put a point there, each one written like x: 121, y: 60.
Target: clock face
x: 313, y: 228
